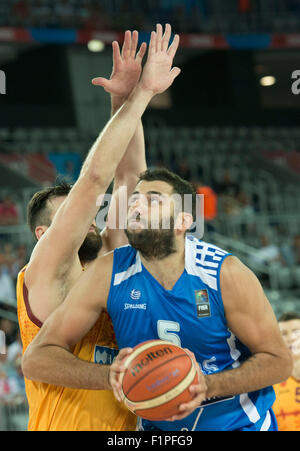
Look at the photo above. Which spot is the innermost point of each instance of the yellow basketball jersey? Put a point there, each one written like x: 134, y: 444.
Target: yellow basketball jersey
x: 287, y: 405
x: 53, y: 408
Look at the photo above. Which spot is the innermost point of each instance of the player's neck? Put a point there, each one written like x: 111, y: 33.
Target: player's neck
x: 167, y: 270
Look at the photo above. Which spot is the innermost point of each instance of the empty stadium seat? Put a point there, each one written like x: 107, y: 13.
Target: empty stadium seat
x: 285, y: 278
x: 20, y: 134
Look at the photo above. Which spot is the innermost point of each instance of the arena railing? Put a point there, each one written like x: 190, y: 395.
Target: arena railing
x: 247, y: 255
x: 264, y: 223
x: 16, y: 234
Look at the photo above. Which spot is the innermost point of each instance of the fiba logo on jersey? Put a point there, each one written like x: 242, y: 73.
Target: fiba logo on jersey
x: 202, y: 303
x: 2, y: 82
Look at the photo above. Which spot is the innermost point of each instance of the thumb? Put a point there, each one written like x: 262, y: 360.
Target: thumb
x: 100, y: 81
x: 175, y: 72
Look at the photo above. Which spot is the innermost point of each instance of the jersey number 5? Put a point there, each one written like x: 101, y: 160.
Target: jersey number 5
x: 166, y: 329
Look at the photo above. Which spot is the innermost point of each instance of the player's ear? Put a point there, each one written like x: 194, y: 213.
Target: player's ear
x: 183, y: 221
x: 39, y: 231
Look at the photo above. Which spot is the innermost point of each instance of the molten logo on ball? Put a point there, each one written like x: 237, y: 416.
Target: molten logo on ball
x: 149, y: 357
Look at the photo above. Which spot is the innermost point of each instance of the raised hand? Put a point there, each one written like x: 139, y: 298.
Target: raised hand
x: 158, y: 73
x: 127, y: 67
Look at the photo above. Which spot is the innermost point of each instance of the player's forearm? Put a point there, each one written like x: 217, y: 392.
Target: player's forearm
x: 116, y: 103
x: 110, y: 146
x: 57, y: 366
x: 259, y: 371
x: 134, y: 159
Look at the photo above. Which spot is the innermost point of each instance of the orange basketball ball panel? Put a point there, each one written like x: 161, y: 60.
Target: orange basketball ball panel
x: 170, y: 408
x: 159, y: 379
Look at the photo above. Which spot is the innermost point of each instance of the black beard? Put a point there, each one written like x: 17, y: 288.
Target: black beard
x: 153, y: 243
x: 90, y: 247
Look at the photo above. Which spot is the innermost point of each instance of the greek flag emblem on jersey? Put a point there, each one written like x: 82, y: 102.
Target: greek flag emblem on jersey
x: 208, y: 259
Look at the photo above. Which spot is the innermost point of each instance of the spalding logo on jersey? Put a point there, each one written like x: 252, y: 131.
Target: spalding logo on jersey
x: 104, y: 355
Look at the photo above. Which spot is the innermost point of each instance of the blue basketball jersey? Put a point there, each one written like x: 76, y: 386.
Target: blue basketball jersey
x: 192, y: 316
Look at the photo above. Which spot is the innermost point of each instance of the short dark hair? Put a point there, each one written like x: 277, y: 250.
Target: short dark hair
x: 288, y: 316
x: 179, y: 185
x: 38, y: 212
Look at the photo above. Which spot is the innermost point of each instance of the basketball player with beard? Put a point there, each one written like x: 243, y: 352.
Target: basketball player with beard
x: 193, y: 293
x: 61, y: 219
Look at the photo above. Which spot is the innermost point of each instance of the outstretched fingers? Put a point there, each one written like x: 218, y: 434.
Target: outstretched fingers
x: 157, y: 74
x: 142, y: 51
x: 174, y: 46
x: 116, y: 52
x: 134, y: 43
x: 166, y: 38
x: 159, y: 32
x: 126, y: 44
x: 152, y: 44
x: 129, y: 48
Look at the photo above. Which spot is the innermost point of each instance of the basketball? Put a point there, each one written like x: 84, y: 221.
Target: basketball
x: 157, y: 379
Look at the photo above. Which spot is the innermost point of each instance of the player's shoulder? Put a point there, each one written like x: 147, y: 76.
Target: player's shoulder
x: 238, y: 283
x: 22, y: 270
x: 100, y: 269
x: 117, y: 257
x: 104, y: 259
x: 233, y: 268
x: 114, y: 264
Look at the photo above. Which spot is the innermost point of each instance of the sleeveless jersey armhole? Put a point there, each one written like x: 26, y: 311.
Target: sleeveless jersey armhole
x: 109, y: 306
x: 220, y: 297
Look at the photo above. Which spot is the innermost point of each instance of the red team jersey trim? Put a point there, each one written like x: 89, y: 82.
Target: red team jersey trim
x: 31, y: 316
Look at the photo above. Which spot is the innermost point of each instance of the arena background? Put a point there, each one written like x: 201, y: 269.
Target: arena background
x: 229, y: 124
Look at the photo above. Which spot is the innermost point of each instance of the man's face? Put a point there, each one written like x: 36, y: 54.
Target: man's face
x: 150, y: 206
x: 92, y: 244
x: 290, y: 331
x: 150, y: 219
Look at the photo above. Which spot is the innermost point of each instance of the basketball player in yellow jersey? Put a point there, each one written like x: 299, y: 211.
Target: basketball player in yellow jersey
x: 62, y: 220
x: 287, y: 404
